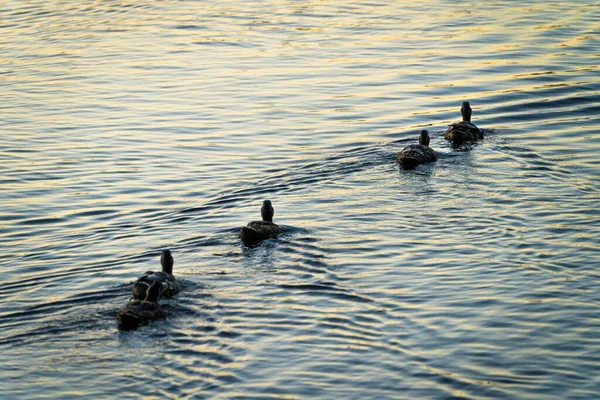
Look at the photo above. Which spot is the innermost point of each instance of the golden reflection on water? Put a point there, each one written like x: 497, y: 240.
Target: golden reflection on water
x: 134, y: 126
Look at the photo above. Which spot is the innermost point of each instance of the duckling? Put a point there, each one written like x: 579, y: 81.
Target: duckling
x: 169, y: 286
x: 257, y: 231
x: 415, y: 154
x: 137, y: 312
x: 465, y: 130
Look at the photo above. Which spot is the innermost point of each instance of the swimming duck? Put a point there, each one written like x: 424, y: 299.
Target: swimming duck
x: 257, y: 231
x: 137, y: 312
x: 415, y: 154
x: 465, y: 130
x: 168, y: 284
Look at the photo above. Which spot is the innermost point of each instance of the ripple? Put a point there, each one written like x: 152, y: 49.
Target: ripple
x: 133, y: 127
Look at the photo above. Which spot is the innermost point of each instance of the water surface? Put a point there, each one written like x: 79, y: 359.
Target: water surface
x: 129, y: 127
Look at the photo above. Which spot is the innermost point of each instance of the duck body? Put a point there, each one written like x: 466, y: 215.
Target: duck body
x: 415, y: 154
x: 137, y: 312
x: 465, y: 130
x: 167, y: 284
x: 257, y: 231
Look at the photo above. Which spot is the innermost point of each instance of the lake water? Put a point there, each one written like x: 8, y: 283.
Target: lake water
x: 133, y: 126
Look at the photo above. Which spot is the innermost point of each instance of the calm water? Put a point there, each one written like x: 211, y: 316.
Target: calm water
x: 133, y: 126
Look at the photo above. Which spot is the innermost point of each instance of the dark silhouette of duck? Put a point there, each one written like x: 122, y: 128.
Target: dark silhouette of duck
x: 137, y: 312
x: 415, y: 154
x: 465, y: 130
x: 257, y: 231
x: 169, y: 286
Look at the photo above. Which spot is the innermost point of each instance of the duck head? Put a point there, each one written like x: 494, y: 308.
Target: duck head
x: 466, y: 111
x: 153, y: 292
x: 424, y: 138
x: 267, y: 211
x: 166, y: 260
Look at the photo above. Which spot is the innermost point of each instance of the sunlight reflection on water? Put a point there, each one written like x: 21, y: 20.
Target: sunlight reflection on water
x: 129, y: 127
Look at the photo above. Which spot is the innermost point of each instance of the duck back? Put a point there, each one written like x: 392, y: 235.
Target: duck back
x: 257, y: 231
x: 169, y: 285
x: 137, y: 312
x: 463, y: 132
x: 415, y: 154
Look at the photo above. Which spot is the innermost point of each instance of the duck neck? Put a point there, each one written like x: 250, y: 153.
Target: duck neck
x: 466, y: 112
x: 166, y: 261
x: 266, y: 212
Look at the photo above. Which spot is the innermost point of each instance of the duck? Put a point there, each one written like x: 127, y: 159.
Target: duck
x: 257, y: 231
x: 169, y: 286
x: 137, y: 312
x: 415, y: 154
x: 465, y: 130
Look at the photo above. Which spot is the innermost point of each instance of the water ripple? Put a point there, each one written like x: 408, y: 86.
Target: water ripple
x: 130, y: 127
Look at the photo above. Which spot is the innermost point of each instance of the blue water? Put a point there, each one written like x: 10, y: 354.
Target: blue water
x: 129, y: 127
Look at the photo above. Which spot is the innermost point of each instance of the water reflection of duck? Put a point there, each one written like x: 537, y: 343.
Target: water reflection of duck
x: 415, y: 154
x: 465, y: 130
x: 137, y: 312
x: 257, y: 231
x: 168, y: 284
